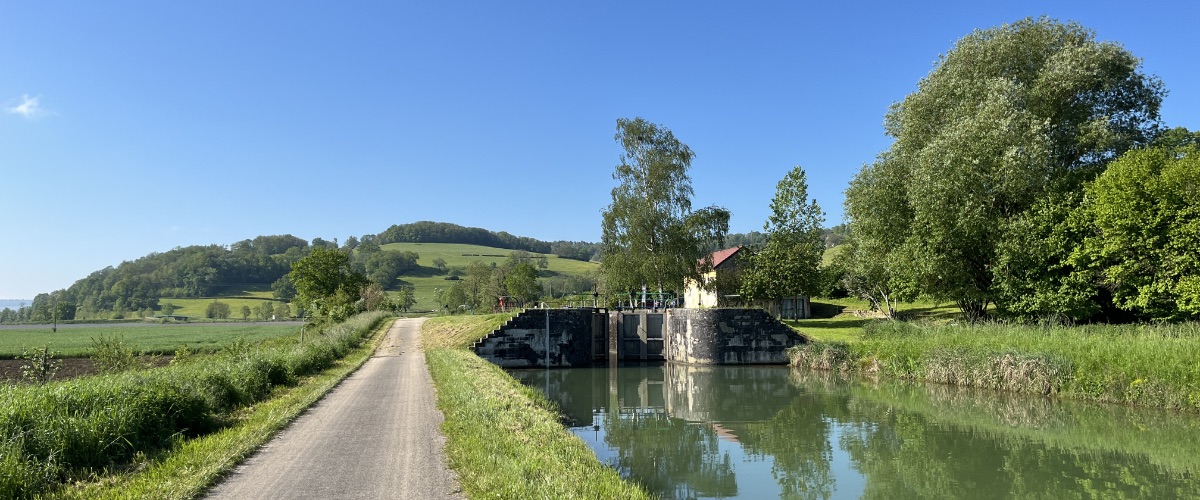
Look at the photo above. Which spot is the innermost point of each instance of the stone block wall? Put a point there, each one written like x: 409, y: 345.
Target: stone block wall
x: 691, y: 336
x: 522, y: 341
x: 727, y: 337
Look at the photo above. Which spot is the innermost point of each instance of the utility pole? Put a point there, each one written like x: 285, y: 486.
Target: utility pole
x: 54, y: 312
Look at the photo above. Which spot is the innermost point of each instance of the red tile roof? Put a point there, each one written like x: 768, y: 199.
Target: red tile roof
x: 721, y: 256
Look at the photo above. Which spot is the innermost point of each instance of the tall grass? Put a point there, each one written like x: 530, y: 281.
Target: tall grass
x: 1148, y: 365
x: 78, y: 429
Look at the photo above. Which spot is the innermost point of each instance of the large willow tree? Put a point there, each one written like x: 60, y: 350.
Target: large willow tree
x: 651, y: 235
x: 1009, y: 116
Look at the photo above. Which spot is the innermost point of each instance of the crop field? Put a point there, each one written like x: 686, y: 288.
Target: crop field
x: 428, y: 279
x: 75, y: 340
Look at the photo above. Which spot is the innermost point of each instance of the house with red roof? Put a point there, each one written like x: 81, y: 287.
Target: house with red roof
x: 725, y: 264
x: 720, y: 289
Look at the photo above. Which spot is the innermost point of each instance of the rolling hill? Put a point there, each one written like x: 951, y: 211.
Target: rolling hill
x: 428, y: 278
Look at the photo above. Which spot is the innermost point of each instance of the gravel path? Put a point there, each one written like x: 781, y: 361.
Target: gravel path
x: 376, y: 435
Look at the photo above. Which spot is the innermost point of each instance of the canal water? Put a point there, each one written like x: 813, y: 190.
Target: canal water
x: 774, y: 432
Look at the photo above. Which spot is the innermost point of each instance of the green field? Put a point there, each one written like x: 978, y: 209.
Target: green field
x: 74, y: 341
x: 246, y: 296
x: 428, y: 278
x: 830, y: 254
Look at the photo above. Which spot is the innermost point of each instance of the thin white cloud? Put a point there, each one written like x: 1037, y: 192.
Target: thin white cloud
x: 28, y: 107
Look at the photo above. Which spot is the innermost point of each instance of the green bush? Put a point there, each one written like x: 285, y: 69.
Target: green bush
x: 111, y: 354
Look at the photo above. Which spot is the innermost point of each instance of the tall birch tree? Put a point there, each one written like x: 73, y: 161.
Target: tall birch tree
x: 651, y: 235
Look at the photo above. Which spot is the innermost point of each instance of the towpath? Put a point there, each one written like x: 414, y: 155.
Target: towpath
x: 376, y: 435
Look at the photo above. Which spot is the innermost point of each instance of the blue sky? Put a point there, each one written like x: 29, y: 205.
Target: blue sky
x: 134, y: 127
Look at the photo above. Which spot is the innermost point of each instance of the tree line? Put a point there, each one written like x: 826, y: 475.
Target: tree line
x: 186, y: 272
x: 443, y: 232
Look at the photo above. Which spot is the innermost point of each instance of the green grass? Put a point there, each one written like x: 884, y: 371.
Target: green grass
x: 191, y: 468
x: 195, y: 308
x: 830, y: 254
x: 1147, y: 365
x: 150, y: 339
x: 449, y: 332
x: 843, y: 320
x: 91, y: 428
x: 428, y: 279
x: 504, y: 439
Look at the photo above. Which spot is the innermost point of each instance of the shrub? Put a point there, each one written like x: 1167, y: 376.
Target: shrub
x: 111, y: 354
x: 40, y: 365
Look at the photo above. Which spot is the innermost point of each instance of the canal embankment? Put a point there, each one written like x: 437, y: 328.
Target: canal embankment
x: 1152, y: 365
x: 503, y: 439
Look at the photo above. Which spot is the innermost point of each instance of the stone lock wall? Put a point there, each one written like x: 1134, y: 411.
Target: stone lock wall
x: 522, y: 341
x: 581, y: 337
x: 727, y: 337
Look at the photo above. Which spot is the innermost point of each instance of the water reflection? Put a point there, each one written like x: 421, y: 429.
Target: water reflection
x: 767, y: 431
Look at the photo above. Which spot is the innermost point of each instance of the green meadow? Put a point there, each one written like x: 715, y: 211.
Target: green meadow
x: 426, y: 280
x: 74, y: 341
x: 843, y: 320
x: 248, y: 296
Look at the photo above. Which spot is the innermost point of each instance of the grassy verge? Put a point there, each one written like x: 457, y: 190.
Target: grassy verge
x: 504, y: 439
x: 95, y: 429
x: 448, y: 332
x: 1146, y: 365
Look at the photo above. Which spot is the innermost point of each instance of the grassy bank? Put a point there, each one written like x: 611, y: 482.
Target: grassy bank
x: 450, y: 332
x: 1148, y: 365
x: 921, y: 434
x: 504, y: 439
x: 93, y: 428
x: 1164, y: 438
